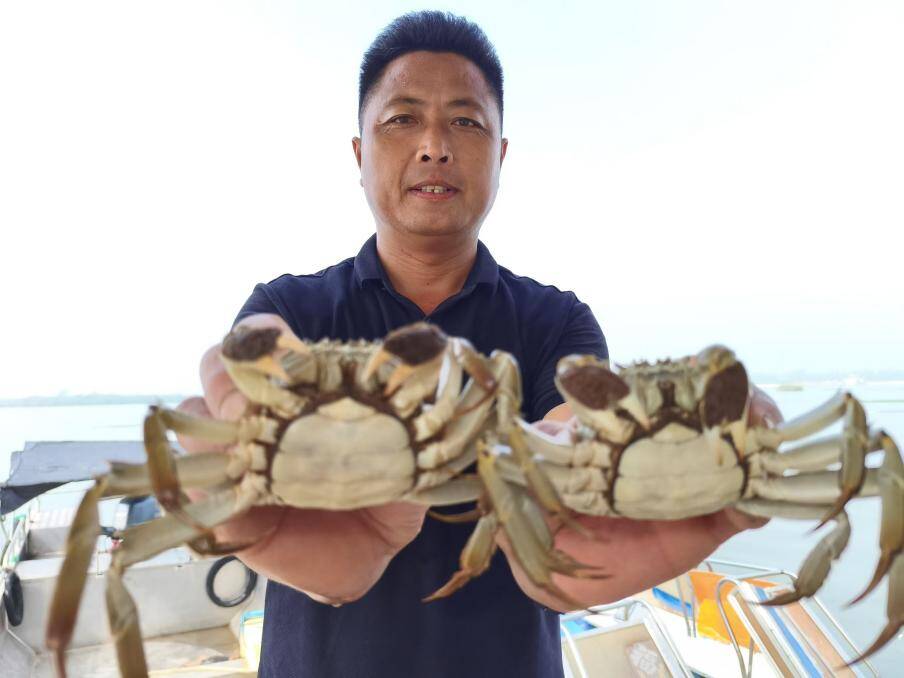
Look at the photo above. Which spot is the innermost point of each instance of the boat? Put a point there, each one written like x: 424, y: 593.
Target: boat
x: 203, y: 616
x: 200, y: 616
x: 706, y: 624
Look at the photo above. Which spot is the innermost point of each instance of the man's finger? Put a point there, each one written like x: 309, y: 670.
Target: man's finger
x: 223, y: 399
x: 197, y: 407
x: 763, y: 409
x: 734, y: 521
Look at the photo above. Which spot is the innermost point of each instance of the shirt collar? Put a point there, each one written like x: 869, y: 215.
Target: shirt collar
x: 368, y: 267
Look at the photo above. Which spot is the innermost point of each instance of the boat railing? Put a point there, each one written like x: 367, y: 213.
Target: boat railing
x: 750, y: 572
x: 626, y: 611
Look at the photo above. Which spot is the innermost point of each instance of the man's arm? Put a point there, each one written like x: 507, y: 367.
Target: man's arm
x: 637, y: 554
x: 333, y: 556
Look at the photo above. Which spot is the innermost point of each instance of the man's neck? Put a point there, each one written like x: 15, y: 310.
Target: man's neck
x: 426, y: 270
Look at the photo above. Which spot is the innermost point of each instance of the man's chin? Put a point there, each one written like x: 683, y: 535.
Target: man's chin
x: 436, y: 229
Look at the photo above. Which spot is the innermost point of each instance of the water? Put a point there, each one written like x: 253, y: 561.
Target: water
x: 781, y: 544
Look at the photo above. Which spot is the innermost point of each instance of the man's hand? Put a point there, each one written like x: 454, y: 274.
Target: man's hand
x: 637, y: 554
x: 334, y: 556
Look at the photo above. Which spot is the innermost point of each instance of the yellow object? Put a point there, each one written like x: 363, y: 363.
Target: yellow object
x: 251, y: 629
x: 709, y: 621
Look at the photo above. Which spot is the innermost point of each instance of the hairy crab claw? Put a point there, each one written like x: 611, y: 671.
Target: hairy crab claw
x: 412, y: 348
x: 249, y: 355
x: 254, y: 347
x: 593, y: 392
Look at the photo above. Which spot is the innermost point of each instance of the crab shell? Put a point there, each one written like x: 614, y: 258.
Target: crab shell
x: 668, y: 437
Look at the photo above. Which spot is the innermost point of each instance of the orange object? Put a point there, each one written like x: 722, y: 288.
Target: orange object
x: 709, y: 621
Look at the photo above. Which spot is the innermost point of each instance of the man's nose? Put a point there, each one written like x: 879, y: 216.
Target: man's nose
x: 434, y: 148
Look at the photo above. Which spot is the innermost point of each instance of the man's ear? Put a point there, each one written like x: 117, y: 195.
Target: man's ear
x: 356, y: 147
x: 504, y: 149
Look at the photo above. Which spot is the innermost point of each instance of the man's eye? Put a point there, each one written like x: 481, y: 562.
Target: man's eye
x: 466, y: 122
x: 402, y: 119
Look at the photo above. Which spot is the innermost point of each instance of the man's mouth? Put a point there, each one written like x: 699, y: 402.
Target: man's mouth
x: 433, y: 190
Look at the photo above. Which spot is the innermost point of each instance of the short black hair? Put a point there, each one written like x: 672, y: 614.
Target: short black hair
x: 429, y: 31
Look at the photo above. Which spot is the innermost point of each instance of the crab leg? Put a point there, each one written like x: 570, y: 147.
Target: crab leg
x: 437, y: 476
x: 255, y: 384
x: 894, y: 610
x: 575, y: 472
x: 811, y: 488
x: 475, y: 558
x: 456, y: 491
x: 530, y: 538
x: 161, y: 466
x: 464, y: 359
x: 891, y: 532
x: 161, y: 456
x: 508, y: 389
x: 800, y: 427
x: 200, y: 470
x: 543, y: 488
x: 196, y: 470
x: 813, y: 456
x: 79, y: 548
x: 568, y: 452
x: 474, y: 407
x: 855, y: 441
x: 428, y: 423
x: 163, y: 463
x: 140, y: 543
x: 817, y: 564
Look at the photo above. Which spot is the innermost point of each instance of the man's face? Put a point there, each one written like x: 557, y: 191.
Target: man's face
x: 431, y: 120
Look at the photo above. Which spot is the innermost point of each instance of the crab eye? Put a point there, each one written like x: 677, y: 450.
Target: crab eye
x: 249, y: 344
x: 594, y: 386
x: 416, y: 344
x: 725, y: 396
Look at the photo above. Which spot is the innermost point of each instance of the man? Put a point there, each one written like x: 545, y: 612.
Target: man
x: 344, y: 597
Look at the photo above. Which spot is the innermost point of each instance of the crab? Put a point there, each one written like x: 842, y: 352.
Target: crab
x: 671, y: 440
x: 347, y: 425
x: 330, y: 425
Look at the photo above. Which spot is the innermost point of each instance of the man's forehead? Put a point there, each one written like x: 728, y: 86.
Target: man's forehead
x: 423, y: 75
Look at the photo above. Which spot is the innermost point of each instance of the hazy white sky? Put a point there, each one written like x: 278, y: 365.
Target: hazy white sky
x: 695, y: 171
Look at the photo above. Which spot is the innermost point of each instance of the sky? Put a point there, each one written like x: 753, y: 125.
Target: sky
x: 697, y: 172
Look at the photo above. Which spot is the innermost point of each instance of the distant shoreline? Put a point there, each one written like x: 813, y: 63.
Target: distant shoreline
x: 768, y: 382
x: 91, y: 399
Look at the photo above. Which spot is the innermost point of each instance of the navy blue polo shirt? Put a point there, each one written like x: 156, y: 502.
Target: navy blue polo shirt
x: 488, y: 628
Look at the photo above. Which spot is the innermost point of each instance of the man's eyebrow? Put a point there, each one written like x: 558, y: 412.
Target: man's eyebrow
x: 463, y: 102
x: 411, y: 101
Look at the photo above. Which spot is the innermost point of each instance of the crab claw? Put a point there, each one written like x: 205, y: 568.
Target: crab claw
x: 254, y: 347
x: 413, y: 346
x: 726, y: 391
x: 589, y: 381
x: 377, y: 360
x: 292, y: 343
x: 398, y: 377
